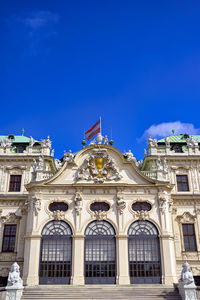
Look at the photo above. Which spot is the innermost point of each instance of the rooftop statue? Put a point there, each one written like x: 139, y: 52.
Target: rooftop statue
x: 6, y: 143
x: 105, y: 140
x: 129, y: 155
x: 31, y: 141
x: 167, y: 141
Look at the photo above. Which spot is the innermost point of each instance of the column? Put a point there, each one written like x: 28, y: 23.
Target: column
x: 168, y: 259
x: 31, y: 260
x: 78, y: 260
x: 123, y: 277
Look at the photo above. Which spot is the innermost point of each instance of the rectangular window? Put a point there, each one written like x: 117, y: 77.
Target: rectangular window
x: 182, y: 183
x: 9, y: 236
x: 15, y: 183
x: 189, y: 237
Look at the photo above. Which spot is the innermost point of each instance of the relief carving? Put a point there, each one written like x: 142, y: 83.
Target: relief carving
x: 186, y: 217
x: 99, y: 167
x: 121, y: 204
x: 10, y: 218
x: 78, y: 203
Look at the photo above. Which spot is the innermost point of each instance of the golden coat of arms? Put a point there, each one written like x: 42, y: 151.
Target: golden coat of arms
x: 99, y: 166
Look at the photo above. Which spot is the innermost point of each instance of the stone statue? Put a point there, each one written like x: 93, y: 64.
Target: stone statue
x: 154, y: 143
x: 186, y: 284
x: 139, y: 164
x: 52, y: 153
x: 150, y: 141
x: 31, y: 142
x: 105, y: 140
x: 46, y: 143
x: 186, y: 274
x: 192, y: 142
x: 40, y: 163
x: 6, y: 143
x: 167, y: 141
x: 58, y: 164
x: 14, y: 278
x: 129, y: 155
x: 69, y: 156
x: 145, y: 152
x: 165, y: 167
x: 34, y: 165
x: 158, y: 164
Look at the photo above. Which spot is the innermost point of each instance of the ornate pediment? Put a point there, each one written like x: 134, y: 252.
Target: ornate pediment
x: 99, y: 167
x: 186, y: 217
x: 10, y: 218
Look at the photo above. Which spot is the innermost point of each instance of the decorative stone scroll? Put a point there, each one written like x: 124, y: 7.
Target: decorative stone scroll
x: 99, y: 167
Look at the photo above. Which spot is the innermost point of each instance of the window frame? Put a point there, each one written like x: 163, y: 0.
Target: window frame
x: 182, y: 183
x: 15, y: 183
x: 10, y: 236
x: 188, y: 236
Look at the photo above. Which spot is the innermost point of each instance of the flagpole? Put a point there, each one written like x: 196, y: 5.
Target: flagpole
x: 100, y: 124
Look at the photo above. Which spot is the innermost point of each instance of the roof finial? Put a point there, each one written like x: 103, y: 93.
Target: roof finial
x: 22, y: 131
x: 173, y: 131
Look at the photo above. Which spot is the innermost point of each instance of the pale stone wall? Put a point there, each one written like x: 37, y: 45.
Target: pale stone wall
x: 29, y: 209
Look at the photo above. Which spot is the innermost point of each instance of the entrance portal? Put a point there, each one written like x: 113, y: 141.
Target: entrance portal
x: 56, y: 253
x: 144, y: 253
x: 100, y: 253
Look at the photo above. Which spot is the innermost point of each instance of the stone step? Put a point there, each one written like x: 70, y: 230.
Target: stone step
x: 100, y: 293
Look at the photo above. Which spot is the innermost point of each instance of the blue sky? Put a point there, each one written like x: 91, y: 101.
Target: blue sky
x: 65, y: 63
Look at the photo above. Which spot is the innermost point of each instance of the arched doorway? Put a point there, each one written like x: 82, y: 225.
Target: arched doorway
x: 56, y: 253
x: 144, y: 253
x: 100, y: 253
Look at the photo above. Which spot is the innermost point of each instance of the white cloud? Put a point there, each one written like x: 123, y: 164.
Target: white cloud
x: 35, y: 31
x: 40, y: 19
x: 165, y: 129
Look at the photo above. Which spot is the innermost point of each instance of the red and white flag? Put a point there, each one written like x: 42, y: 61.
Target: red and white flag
x: 93, y: 130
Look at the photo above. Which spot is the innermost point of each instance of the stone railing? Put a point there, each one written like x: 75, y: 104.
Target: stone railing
x: 29, y: 151
x: 150, y: 174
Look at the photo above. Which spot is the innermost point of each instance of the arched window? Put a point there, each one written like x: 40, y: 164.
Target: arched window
x: 100, y: 253
x: 144, y: 253
x: 56, y: 253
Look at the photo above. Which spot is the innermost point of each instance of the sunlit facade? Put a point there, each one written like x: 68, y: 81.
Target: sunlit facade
x: 99, y: 216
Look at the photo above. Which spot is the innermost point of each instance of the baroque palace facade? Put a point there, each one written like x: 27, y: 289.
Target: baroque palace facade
x: 99, y: 216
